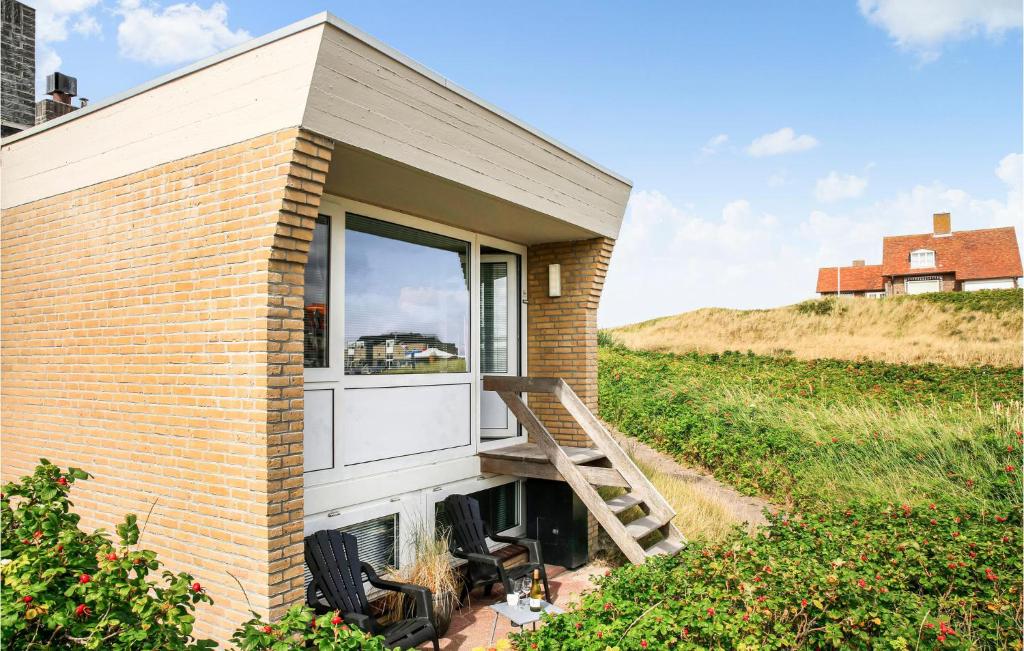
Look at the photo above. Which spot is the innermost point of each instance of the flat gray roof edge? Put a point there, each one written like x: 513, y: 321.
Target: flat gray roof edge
x: 294, y: 28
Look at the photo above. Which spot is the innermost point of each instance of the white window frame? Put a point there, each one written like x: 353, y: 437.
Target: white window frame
x: 919, y: 252
x: 334, y: 377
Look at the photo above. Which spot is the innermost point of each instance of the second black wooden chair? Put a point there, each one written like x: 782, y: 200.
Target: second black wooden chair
x: 469, y: 541
x: 333, y: 559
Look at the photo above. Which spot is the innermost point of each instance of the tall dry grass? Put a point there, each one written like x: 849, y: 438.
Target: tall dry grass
x: 898, y: 331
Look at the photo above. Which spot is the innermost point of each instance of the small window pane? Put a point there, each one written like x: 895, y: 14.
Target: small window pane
x: 406, y: 300
x: 499, y: 506
x: 494, y: 288
x: 317, y: 289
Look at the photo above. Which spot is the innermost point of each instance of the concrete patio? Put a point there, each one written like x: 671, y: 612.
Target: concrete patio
x: 473, y: 625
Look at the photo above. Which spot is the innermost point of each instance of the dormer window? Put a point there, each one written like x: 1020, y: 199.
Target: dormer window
x: 922, y: 259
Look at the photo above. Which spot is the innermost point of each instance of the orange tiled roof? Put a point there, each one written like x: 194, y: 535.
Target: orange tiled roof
x: 865, y: 278
x: 985, y: 253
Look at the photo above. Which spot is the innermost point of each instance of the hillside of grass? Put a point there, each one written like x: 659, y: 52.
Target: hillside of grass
x: 901, y: 487
x: 955, y: 328
x: 819, y: 432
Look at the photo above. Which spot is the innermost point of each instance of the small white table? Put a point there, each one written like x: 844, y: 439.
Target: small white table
x: 521, y: 615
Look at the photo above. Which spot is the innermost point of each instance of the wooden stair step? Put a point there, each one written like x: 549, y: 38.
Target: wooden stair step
x: 537, y: 470
x: 623, y: 502
x: 642, y: 526
x: 533, y: 453
x: 667, y: 546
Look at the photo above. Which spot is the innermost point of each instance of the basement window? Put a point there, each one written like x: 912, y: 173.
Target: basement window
x: 922, y: 259
x: 499, y: 507
x: 377, y: 540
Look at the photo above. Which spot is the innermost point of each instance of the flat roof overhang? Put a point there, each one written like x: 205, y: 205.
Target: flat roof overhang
x: 406, y: 138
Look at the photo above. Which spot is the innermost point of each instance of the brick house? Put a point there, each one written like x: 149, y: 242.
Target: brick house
x: 187, y: 265
x: 943, y: 260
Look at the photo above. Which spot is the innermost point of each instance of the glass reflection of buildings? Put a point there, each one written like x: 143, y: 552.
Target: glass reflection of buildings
x: 399, y: 352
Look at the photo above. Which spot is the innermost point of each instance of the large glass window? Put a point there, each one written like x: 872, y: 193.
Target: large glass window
x: 318, y: 270
x: 406, y: 300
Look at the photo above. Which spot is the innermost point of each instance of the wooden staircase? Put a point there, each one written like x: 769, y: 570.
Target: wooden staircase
x: 585, y: 468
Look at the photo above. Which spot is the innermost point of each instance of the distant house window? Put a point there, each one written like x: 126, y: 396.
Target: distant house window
x: 922, y: 259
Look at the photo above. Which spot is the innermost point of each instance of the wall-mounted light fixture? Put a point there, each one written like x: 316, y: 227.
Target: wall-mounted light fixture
x: 554, y: 280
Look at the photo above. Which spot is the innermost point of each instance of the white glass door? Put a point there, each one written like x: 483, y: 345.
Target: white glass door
x: 499, y: 339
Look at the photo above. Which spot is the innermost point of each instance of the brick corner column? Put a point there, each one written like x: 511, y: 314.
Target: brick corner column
x: 305, y: 176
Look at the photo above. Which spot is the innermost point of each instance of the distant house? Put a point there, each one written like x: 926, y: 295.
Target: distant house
x: 940, y: 261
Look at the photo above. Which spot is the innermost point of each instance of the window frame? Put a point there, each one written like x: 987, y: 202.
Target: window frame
x: 922, y: 251
x: 337, y: 208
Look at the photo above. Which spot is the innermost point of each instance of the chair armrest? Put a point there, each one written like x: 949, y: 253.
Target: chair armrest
x: 483, y: 559
x: 421, y: 596
x: 531, y: 545
x: 364, y: 623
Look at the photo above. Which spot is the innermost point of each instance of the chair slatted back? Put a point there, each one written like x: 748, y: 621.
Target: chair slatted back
x: 333, y: 560
x: 468, y: 531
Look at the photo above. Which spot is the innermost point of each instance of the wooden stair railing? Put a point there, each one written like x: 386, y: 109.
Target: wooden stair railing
x: 576, y: 467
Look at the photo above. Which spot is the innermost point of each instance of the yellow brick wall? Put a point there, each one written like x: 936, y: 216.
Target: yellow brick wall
x: 153, y: 336
x: 562, y: 332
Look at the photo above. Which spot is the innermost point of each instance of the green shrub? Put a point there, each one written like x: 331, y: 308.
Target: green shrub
x: 64, y: 588
x: 993, y: 301
x: 879, y: 577
x: 299, y: 629
x: 821, y: 306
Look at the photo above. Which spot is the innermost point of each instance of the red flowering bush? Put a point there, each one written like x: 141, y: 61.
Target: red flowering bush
x: 65, y: 588
x: 868, y: 577
x: 300, y: 629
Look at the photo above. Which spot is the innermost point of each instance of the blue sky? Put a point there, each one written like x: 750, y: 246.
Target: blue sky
x: 871, y: 115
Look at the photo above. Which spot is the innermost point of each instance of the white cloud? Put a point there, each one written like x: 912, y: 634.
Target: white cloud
x: 714, y: 145
x: 783, y: 141
x: 923, y: 26
x: 836, y: 186
x: 175, y: 34
x: 52, y: 19
x: 670, y: 259
x: 87, y: 25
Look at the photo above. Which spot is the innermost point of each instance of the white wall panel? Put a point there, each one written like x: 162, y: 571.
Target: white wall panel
x: 390, y: 422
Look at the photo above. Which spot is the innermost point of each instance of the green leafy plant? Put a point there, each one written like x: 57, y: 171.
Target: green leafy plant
x: 65, y: 588
x: 994, y: 301
x: 821, y: 306
x: 876, y: 576
x: 301, y: 629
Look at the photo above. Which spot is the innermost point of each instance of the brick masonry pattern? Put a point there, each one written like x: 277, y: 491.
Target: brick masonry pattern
x: 153, y: 336
x: 562, y: 331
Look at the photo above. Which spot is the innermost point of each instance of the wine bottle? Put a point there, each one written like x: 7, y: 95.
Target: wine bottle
x: 536, y: 592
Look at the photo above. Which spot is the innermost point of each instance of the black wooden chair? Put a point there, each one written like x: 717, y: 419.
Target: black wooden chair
x: 333, y: 559
x: 469, y: 541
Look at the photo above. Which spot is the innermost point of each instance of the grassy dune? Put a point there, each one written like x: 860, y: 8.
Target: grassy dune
x: 959, y: 329
x: 816, y: 433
